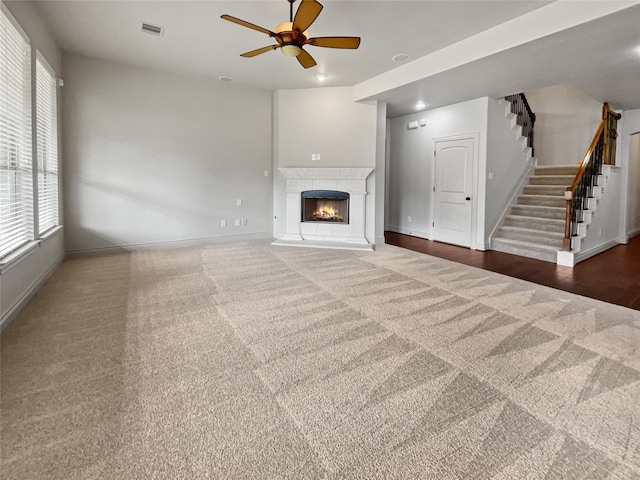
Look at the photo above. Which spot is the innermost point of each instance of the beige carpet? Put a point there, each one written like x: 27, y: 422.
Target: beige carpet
x: 250, y: 361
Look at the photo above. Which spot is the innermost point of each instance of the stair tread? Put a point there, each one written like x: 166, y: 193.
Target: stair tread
x: 522, y: 243
x: 551, y: 167
x: 557, y: 175
x: 553, y: 220
x: 532, y: 230
x: 531, y: 195
x: 538, y: 206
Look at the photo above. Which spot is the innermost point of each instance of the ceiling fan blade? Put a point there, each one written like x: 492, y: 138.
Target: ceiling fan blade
x: 307, y: 13
x: 247, y: 24
x: 305, y: 59
x: 259, y: 51
x: 334, y: 42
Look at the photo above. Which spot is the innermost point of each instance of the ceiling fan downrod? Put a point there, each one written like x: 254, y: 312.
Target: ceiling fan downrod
x: 291, y: 2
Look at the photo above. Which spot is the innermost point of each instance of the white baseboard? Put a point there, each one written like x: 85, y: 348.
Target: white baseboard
x: 581, y: 256
x: 406, y: 231
x: 195, y: 242
x: 13, y: 312
x: 380, y: 240
x: 633, y: 233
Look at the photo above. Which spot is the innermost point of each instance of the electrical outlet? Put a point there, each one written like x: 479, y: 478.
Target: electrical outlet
x: 409, y: 219
x: 244, y: 222
x: 266, y: 173
x: 237, y: 222
x: 239, y: 202
x: 223, y: 223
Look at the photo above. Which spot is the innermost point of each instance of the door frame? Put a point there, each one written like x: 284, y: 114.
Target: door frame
x: 475, y: 178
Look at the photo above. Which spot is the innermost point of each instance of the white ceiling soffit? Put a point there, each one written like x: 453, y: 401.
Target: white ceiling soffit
x: 196, y: 42
x: 599, y: 56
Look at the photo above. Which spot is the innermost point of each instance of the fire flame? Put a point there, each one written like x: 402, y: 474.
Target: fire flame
x: 327, y: 212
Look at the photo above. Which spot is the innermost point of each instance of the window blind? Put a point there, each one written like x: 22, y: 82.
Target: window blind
x: 16, y: 177
x: 47, y: 145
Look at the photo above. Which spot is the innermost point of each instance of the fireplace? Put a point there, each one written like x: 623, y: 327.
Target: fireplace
x: 325, y: 206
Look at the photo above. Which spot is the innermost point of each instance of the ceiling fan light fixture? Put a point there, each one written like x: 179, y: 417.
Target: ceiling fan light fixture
x: 291, y: 50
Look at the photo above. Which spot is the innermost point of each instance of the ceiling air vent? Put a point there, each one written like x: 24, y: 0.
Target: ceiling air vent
x: 152, y: 29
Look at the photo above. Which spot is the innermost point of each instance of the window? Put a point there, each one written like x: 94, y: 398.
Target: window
x: 16, y: 176
x: 47, y: 145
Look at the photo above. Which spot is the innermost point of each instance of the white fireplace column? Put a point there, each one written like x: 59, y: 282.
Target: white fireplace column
x: 319, y: 234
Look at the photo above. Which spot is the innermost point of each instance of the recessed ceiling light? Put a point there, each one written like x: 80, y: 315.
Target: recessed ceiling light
x: 224, y: 78
x: 421, y: 105
x: 321, y: 76
x: 637, y: 49
x: 401, y: 57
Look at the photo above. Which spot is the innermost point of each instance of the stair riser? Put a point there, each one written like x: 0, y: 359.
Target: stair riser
x: 555, y: 190
x: 540, y: 212
x: 551, y: 180
x: 524, y: 251
x: 542, y: 201
x: 541, y: 237
x: 524, y: 222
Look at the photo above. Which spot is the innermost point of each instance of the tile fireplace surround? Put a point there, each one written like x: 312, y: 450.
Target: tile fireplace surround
x: 321, y: 234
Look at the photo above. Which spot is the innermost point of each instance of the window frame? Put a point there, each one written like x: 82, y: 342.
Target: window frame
x: 47, y: 159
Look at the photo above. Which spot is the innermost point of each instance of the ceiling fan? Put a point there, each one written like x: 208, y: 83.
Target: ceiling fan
x: 293, y: 35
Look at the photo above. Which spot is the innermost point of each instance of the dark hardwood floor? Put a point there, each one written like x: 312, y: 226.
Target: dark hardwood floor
x: 612, y: 276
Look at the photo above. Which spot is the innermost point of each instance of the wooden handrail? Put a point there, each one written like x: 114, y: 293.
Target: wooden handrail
x: 603, y: 133
x: 587, y: 157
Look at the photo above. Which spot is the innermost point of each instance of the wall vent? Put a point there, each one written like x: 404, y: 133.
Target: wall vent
x: 152, y: 29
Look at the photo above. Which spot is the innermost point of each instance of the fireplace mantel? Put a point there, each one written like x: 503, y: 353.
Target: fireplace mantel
x: 350, y: 180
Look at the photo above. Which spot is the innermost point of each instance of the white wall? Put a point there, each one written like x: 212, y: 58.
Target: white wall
x: 629, y: 156
x: 566, y: 121
x: 380, y: 171
x: 160, y: 159
x: 21, y: 279
x: 410, y: 165
x: 633, y: 212
x: 325, y: 121
x: 328, y: 122
x: 604, y: 230
x: 509, y: 163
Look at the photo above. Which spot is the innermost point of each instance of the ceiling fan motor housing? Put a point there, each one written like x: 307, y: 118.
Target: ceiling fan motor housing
x: 290, y: 41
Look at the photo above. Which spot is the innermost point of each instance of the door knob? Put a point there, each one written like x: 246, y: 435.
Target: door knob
x: 468, y: 198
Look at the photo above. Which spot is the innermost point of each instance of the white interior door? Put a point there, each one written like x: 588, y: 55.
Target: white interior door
x: 452, y: 191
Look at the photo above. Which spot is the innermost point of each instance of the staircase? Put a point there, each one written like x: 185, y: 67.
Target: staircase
x: 534, y: 226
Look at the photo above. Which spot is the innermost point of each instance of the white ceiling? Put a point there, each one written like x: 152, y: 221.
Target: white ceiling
x: 594, y: 57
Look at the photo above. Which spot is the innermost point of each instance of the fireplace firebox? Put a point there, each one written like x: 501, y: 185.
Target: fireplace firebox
x: 325, y: 206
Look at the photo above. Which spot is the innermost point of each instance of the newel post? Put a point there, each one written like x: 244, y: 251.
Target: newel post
x: 566, y: 242
x: 605, y: 143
